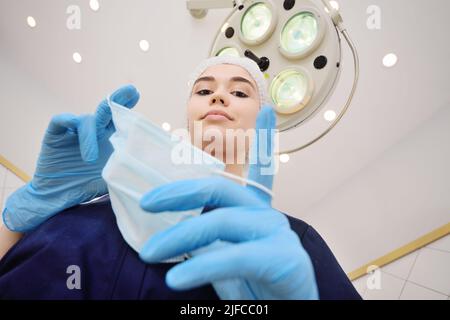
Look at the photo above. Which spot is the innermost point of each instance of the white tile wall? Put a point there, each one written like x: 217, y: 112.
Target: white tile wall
x: 401, y: 268
x: 413, y: 291
x: 390, y: 288
x: 432, y: 270
x: 421, y: 275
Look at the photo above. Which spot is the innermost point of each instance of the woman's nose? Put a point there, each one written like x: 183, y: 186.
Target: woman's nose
x: 215, y: 100
x: 219, y: 98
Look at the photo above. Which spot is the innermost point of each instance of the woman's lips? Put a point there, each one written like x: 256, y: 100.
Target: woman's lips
x: 217, y: 115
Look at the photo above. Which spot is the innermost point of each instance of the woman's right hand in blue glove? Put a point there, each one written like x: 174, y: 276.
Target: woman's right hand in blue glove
x: 74, y: 151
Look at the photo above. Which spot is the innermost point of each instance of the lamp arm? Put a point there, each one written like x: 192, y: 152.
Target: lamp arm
x: 199, y: 8
x: 211, y: 4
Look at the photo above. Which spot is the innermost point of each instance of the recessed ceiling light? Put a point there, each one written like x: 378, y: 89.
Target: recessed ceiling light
x: 284, y: 158
x: 390, y: 60
x: 329, y: 115
x: 77, y: 57
x: 333, y: 4
x: 166, y: 126
x: 144, y: 45
x: 94, y: 5
x: 31, y: 22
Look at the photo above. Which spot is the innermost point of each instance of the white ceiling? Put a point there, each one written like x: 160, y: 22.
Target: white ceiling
x: 389, y: 105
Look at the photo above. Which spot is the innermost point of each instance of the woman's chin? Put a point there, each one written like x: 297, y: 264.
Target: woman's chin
x: 214, y: 127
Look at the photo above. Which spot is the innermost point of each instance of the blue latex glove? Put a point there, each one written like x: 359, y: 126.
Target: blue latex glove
x: 73, y: 153
x: 262, y: 250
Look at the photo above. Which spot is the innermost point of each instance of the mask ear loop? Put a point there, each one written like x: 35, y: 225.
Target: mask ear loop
x: 247, y: 181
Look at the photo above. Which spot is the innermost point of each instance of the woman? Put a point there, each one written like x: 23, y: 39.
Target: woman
x: 274, y: 256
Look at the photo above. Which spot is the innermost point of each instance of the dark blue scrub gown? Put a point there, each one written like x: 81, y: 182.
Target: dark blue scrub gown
x: 87, y: 236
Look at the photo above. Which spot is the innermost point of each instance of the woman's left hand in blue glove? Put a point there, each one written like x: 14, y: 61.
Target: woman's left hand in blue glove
x: 73, y: 153
x: 263, y: 249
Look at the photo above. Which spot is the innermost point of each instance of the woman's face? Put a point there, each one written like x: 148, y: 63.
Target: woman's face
x: 224, y: 97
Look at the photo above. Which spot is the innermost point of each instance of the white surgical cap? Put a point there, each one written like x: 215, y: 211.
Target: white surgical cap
x: 246, y: 63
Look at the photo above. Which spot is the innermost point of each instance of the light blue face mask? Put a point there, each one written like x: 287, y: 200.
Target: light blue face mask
x: 141, y: 161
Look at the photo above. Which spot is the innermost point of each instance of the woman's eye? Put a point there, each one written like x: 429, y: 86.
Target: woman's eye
x: 240, y: 94
x: 204, y: 92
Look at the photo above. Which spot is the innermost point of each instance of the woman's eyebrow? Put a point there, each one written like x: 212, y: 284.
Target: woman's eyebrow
x: 241, y: 79
x: 233, y: 79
